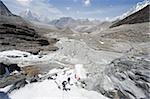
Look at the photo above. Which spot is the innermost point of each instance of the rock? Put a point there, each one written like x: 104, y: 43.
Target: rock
x: 131, y: 79
x: 43, y: 42
x: 17, y: 85
x: 8, y: 68
x: 137, y: 17
x: 13, y: 67
x: 12, y: 79
x: 4, y: 10
x: 2, y: 69
x: 31, y: 71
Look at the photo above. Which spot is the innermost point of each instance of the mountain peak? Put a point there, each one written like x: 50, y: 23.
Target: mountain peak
x: 140, y: 16
x: 28, y: 12
x: 29, y: 15
x: 136, y: 8
x: 4, y: 10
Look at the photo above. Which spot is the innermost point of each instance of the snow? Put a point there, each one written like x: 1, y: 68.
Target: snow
x: 5, y: 89
x: 139, y: 6
x: 19, y: 57
x: 80, y: 71
x: 77, y: 58
x: 101, y: 42
x: 48, y: 89
x: 13, y: 53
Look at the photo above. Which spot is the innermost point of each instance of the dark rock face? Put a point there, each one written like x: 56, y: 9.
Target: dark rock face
x: 10, y: 68
x: 13, y: 67
x: 43, y: 42
x: 17, y: 30
x: 137, y: 17
x: 4, y: 10
x: 2, y: 69
x: 15, y: 33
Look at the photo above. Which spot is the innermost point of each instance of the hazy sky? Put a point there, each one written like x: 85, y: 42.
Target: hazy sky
x: 93, y: 9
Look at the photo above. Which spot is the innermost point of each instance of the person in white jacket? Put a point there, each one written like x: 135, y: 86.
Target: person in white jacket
x: 80, y: 72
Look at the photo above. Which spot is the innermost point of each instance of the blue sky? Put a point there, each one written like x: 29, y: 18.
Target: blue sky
x: 93, y: 9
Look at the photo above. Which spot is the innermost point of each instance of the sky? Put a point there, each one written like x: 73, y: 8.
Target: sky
x: 83, y: 9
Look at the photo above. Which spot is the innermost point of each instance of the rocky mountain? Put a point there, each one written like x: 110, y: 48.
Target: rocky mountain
x: 136, y: 8
x: 127, y: 78
x: 140, y: 16
x: 27, y: 14
x: 4, y: 10
x: 63, y: 22
x: 16, y: 33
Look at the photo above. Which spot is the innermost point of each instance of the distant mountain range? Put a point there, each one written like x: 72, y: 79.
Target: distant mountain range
x: 60, y: 23
x: 63, y: 22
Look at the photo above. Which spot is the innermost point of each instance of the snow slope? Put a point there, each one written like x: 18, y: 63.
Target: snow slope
x: 48, y: 89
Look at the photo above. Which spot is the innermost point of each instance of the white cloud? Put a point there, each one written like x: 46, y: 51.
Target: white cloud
x: 87, y: 2
x: 24, y: 2
x: 41, y: 7
x: 68, y: 8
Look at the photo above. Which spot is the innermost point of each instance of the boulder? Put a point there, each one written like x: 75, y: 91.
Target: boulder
x: 8, y: 68
x: 2, y: 69
x: 13, y: 67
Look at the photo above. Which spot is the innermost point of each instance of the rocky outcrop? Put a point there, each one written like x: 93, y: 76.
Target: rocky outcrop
x: 4, y: 10
x: 4, y: 68
x: 18, y: 80
x: 130, y: 78
x: 138, y: 17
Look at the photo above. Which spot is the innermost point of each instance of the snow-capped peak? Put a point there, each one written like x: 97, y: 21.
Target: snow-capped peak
x: 28, y: 14
x: 139, y: 6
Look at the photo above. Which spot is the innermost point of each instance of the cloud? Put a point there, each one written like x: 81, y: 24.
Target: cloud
x: 24, y: 2
x: 87, y: 2
x: 42, y: 7
x: 68, y: 8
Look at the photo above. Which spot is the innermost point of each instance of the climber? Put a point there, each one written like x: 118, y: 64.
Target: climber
x: 64, y: 83
x: 69, y: 81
